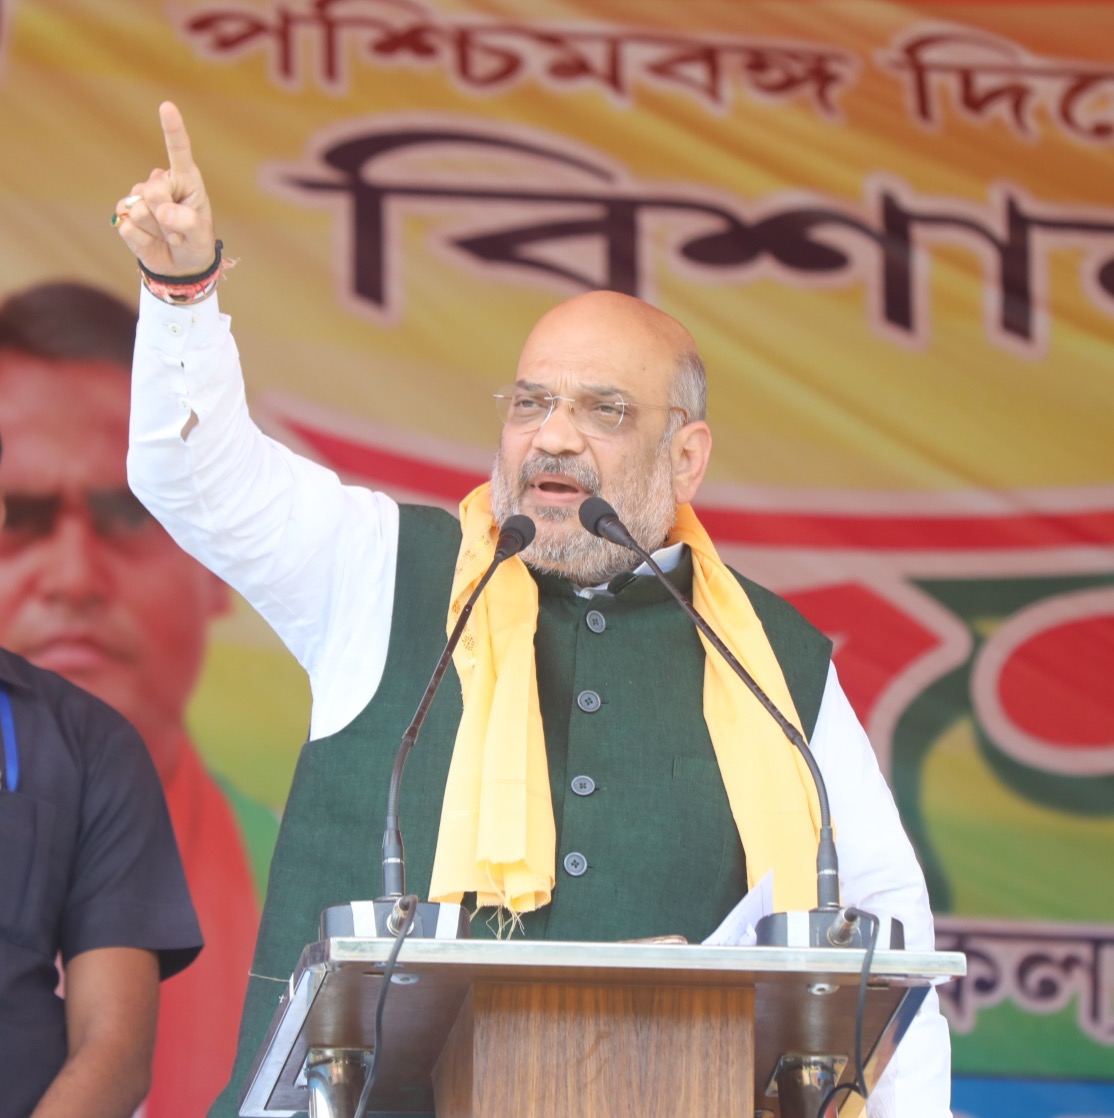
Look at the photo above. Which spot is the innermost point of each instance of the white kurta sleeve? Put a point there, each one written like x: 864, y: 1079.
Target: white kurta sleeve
x: 315, y: 557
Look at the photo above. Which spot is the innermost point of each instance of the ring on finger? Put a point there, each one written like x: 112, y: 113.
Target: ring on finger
x: 123, y: 207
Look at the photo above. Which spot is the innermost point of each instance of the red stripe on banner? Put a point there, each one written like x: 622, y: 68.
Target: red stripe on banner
x: 879, y: 532
x: 920, y: 533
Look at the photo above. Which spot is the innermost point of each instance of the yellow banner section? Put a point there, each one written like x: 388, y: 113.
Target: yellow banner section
x: 884, y: 223
x: 889, y: 227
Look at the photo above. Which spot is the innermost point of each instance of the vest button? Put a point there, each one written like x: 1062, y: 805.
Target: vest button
x: 583, y: 785
x: 575, y: 864
x: 588, y: 701
x: 596, y: 621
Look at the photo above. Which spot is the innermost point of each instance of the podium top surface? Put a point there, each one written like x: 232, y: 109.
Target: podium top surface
x: 508, y: 960
x: 803, y: 996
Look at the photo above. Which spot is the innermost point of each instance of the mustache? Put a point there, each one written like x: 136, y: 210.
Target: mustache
x: 576, y: 469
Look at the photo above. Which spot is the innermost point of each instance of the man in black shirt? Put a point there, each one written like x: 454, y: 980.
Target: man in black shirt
x: 90, y: 875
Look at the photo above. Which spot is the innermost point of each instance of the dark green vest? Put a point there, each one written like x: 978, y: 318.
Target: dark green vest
x: 637, y: 793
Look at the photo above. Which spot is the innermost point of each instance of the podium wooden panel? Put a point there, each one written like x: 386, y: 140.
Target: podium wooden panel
x: 480, y: 1029
x: 621, y: 1052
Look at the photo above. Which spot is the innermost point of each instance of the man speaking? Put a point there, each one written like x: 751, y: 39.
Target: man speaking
x: 595, y: 774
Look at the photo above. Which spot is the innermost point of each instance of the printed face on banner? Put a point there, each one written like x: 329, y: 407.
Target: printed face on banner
x: 90, y: 585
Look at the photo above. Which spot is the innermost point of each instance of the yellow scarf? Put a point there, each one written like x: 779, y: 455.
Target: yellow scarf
x: 497, y: 835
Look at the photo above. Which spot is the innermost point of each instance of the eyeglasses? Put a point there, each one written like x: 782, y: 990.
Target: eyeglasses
x: 113, y: 513
x: 591, y: 413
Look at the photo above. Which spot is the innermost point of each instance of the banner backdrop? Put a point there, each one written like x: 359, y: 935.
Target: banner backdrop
x: 889, y: 227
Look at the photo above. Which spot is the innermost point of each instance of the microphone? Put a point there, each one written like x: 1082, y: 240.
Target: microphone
x: 516, y: 535
x: 827, y: 924
x: 389, y: 910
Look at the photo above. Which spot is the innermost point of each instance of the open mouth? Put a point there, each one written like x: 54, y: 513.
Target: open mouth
x: 550, y: 488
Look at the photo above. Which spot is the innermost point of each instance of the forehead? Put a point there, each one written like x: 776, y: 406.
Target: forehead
x: 602, y: 343
x: 63, y: 423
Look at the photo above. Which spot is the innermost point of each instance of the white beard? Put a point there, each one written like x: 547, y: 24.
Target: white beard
x: 644, y: 504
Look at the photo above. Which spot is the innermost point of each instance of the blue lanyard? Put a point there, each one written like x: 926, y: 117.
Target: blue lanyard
x: 9, y: 774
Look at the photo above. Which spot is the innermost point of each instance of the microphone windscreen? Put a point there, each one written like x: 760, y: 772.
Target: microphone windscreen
x: 515, y: 534
x: 522, y: 526
x: 592, y: 512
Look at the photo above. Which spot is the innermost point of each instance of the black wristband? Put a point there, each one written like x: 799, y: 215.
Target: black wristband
x: 184, y: 281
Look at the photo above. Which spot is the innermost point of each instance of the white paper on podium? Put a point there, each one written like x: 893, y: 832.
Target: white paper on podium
x: 737, y: 930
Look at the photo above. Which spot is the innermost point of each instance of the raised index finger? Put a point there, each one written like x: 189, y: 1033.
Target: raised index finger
x: 177, y: 140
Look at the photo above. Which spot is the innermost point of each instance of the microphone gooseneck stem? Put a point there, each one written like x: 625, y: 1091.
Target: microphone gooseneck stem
x: 517, y: 533
x: 599, y: 518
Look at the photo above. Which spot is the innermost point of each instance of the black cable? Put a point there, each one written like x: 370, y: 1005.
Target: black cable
x: 858, y: 1084
x: 409, y: 905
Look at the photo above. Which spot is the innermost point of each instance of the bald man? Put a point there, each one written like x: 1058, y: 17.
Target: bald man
x: 584, y: 704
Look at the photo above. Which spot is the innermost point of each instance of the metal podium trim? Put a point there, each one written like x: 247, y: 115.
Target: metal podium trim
x: 325, y: 1004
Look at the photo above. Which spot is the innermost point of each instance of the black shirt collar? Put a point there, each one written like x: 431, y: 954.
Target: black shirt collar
x: 14, y: 670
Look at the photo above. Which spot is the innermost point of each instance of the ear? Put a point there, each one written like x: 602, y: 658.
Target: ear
x: 689, y: 451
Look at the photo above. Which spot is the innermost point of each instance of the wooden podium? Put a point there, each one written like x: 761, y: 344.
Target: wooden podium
x: 482, y: 1029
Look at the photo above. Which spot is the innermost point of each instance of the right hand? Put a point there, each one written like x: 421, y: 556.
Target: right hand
x: 169, y: 226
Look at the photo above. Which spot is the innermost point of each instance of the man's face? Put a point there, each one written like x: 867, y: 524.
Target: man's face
x: 546, y: 473
x: 90, y: 585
